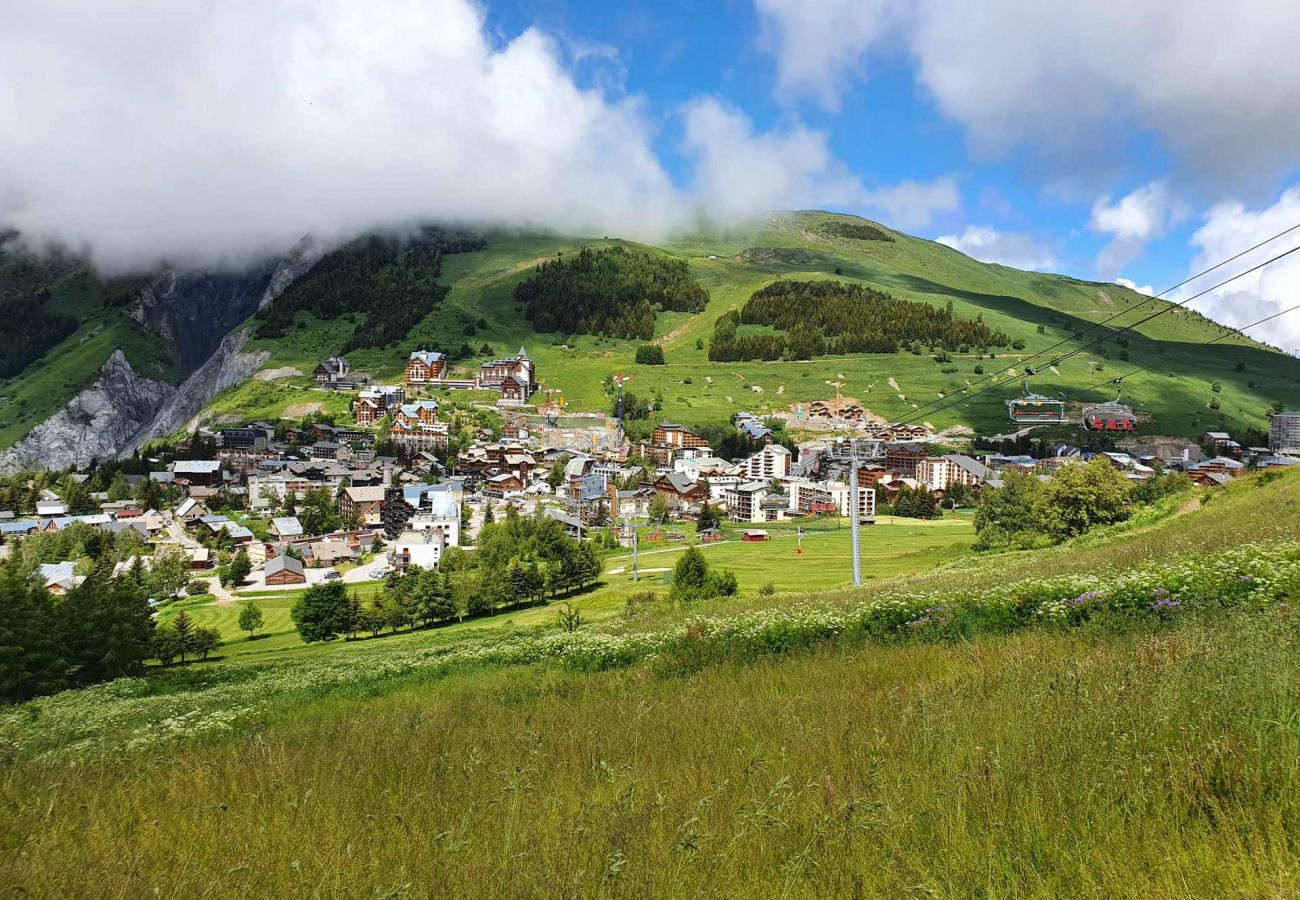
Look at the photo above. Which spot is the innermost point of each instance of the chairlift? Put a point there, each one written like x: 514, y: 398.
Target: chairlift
x: 1035, y: 409
x: 1112, y: 415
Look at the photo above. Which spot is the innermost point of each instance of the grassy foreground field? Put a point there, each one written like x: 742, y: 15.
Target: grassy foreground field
x: 1132, y: 754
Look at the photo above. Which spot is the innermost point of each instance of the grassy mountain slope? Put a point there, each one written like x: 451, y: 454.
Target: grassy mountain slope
x: 1150, y: 759
x: 96, y: 309
x: 1176, y: 396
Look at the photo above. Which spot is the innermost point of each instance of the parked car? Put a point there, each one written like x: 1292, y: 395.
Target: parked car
x: 333, y: 575
x: 380, y: 572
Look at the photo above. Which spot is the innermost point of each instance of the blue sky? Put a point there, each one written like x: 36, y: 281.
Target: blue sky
x: 1106, y: 140
x: 887, y: 127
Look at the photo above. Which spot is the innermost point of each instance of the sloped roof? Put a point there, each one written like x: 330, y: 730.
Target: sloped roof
x: 428, y: 357
x: 283, y: 564
x: 287, y: 526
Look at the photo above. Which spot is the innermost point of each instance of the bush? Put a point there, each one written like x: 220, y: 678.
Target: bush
x: 650, y: 355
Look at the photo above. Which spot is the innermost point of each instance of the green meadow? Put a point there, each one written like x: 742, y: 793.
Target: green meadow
x: 1142, y: 756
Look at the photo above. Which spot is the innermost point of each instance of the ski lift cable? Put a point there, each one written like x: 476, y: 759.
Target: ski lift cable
x: 1124, y: 312
x: 968, y: 397
x: 1121, y: 378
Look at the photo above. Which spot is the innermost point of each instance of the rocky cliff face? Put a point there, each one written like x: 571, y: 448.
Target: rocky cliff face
x: 228, y: 366
x: 195, y: 313
x: 96, y: 424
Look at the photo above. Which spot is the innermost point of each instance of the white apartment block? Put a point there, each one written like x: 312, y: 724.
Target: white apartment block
x: 773, y: 461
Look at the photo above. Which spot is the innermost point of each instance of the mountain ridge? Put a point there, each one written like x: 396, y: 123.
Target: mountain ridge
x: 1241, y: 377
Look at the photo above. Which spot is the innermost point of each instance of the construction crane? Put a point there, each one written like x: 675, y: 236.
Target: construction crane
x: 552, y: 410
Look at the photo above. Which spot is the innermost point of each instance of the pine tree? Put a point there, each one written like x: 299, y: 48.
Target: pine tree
x: 183, y: 625
x: 30, y: 660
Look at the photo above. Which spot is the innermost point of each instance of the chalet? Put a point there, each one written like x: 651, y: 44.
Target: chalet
x: 680, y: 491
x: 751, y: 535
x: 425, y: 367
x: 503, y: 484
x: 332, y: 370
x: 198, y: 472
x: 413, y: 416
x: 285, y: 527
x: 190, y: 511
x: 1211, y: 479
x: 752, y: 426
x: 868, y: 476
x: 51, y: 508
x: 1221, y: 464
x: 363, y: 504
x: 330, y: 552
x: 515, y: 389
x: 285, y: 570
x: 61, y: 577
x: 904, y: 458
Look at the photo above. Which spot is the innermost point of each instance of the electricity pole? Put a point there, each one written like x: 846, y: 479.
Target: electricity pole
x: 632, y: 525
x: 853, y: 519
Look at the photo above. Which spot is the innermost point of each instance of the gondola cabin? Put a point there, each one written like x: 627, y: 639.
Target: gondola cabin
x: 1109, y: 417
x: 1035, y: 409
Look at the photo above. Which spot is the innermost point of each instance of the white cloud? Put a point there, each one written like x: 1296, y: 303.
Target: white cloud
x: 1228, y: 228
x: 739, y: 171
x: 910, y: 205
x: 1009, y: 248
x: 1067, y: 76
x: 1134, y: 286
x: 203, y: 132
x: 1138, y: 217
x: 819, y: 44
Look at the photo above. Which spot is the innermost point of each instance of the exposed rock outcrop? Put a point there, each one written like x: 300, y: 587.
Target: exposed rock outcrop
x: 228, y: 366
x: 305, y: 254
x: 195, y: 311
x: 95, y: 424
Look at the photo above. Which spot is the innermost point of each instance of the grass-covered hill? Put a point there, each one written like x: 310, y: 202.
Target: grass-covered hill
x: 1114, y: 716
x: 500, y: 293
x: 61, y: 322
x: 913, y: 321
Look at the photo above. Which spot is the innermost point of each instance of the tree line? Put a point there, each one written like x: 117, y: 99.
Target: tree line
x: 611, y: 292
x: 835, y: 317
x: 99, y: 630
x: 1026, y: 512
x: 519, y: 561
x: 858, y: 231
x: 387, y: 283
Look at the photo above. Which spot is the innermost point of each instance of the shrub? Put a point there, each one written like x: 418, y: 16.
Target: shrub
x: 650, y: 355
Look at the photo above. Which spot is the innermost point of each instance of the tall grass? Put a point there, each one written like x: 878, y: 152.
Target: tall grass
x: 920, y: 758
x: 1152, y: 764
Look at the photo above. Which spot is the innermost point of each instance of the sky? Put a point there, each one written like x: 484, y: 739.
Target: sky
x: 1110, y: 140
